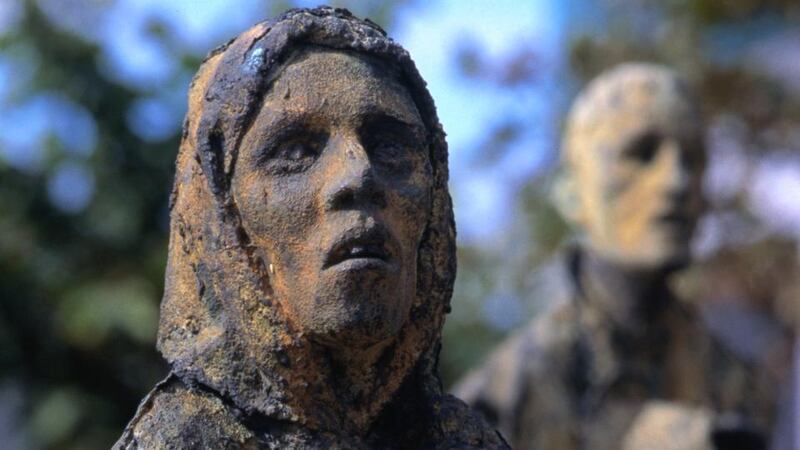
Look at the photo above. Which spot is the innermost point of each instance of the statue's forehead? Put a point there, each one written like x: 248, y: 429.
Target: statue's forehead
x: 638, y: 99
x: 333, y: 62
x: 343, y: 81
x: 619, y: 108
x: 640, y: 113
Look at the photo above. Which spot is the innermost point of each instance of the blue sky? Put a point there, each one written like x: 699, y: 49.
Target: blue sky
x: 467, y: 108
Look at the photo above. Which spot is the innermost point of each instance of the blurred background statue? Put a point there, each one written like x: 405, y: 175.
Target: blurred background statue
x: 584, y: 373
x: 311, y: 258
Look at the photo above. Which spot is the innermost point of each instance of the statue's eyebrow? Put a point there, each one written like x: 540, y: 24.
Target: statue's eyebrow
x: 379, y: 118
x: 282, y: 119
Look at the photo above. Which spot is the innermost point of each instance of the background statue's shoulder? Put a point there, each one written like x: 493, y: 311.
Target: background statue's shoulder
x: 464, y: 428
x: 541, y: 348
x: 527, y: 375
x: 176, y: 416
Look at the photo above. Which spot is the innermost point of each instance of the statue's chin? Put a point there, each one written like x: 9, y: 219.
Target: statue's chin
x: 676, y: 262
x: 664, y: 260
x: 354, y: 320
x: 353, y: 338
x: 671, y: 257
x: 667, y: 262
x: 358, y: 311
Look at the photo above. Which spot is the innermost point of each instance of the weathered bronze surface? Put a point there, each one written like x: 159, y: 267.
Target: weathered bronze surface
x: 312, y: 251
x: 617, y: 360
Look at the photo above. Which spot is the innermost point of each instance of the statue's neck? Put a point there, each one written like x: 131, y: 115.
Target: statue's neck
x: 633, y: 297
x: 350, y: 389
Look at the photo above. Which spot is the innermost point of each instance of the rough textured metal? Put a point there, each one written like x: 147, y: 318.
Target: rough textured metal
x: 263, y: 356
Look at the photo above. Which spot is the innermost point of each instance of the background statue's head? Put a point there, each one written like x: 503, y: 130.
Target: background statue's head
x: 633, y: 159
x: 310, y: 219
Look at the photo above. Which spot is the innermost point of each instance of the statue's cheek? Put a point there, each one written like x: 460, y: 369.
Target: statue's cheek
x: 276, y: 208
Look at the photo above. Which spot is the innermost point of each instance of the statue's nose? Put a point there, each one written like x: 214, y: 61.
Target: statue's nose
x: 353, y: 183
x: 677, y: 177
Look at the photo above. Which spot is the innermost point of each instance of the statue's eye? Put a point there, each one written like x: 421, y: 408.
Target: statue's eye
x: 644, y: 148
x: 293, y: 153
x: 389, y: 149
x: 296, y: 151
x: 693, y: 155
x: 392, y: 144
x: 392, y: 153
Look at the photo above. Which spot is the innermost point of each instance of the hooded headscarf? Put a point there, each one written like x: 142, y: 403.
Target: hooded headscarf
x: 221, y: 328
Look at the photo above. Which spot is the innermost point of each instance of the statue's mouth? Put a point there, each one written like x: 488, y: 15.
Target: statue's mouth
x: 675, y: 218
x: 365, y: 245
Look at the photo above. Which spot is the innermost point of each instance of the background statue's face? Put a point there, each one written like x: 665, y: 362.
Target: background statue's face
x: 333, y: 184
x: 638, y: 177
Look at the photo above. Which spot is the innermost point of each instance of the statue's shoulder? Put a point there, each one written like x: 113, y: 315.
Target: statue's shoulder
x: 464, y: 428
x: 548, y: 340
x: 527, y: 373
x: 176, y: 416
x: 544, y: 344
x: 740, y: 382
x: 542, y: 348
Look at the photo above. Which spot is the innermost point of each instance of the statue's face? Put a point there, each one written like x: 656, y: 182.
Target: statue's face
x: 639, y: 174
x: 333, y: 183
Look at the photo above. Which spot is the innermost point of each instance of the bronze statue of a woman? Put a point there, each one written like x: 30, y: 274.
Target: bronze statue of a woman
x: 312, y: 251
